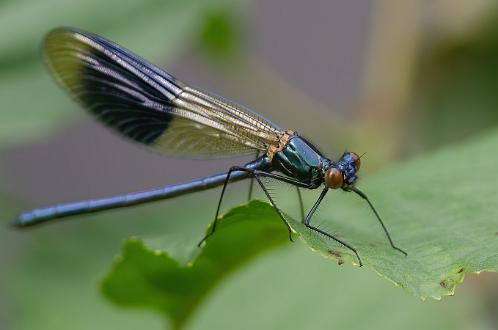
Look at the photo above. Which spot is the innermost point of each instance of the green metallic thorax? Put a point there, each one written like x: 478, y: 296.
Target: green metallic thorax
x: 299, y: 160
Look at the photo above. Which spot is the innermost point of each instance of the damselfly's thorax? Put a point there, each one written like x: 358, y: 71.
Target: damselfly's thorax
x: 297, y: 158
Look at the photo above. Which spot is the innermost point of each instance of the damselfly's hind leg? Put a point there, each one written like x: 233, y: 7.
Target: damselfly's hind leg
x: 215, y: 221
x: 256, y: 174
x: 307, y: 223
x: 299, y: 196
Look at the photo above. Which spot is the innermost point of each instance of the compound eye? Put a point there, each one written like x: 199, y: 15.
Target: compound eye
x: 334, y: 178
x: 356, y: 160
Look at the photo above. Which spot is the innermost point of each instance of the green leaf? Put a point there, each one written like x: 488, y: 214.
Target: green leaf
x: 294, y: 288
x: 440, y: 208
x: 145, y: 278
x: 55, y: 268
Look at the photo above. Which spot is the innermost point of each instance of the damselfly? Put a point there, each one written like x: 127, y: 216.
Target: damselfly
x: 149, y: 106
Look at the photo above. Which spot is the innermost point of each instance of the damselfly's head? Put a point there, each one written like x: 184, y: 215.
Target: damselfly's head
x: 343, y: 173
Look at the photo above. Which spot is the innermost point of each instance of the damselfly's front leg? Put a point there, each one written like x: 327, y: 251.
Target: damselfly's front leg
x: 362, y: 195
x: 307, y: 223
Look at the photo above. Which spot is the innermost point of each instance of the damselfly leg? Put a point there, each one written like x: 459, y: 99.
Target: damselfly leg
x: 256, y: 174
x: 299, y: 196
x: 363, y: 196
x: 307, y: 223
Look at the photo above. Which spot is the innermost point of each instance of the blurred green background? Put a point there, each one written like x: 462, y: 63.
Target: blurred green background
x: 393, y: 79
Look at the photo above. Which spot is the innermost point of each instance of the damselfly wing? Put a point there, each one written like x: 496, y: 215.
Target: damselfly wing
x: 147, y: 105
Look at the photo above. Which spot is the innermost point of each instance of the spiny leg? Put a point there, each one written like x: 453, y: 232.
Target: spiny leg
x: 215, y: 221
x: 307, y: 223
x: 362, y: 195
x: 272, y: 202
x: 251, y: 182
x: 255, y: 174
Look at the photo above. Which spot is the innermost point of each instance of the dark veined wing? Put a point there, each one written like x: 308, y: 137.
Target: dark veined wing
x: 147, y: 105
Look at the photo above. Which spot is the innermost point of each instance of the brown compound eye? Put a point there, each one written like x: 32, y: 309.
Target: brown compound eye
x: 333, y: 178
x: 356, y: 160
